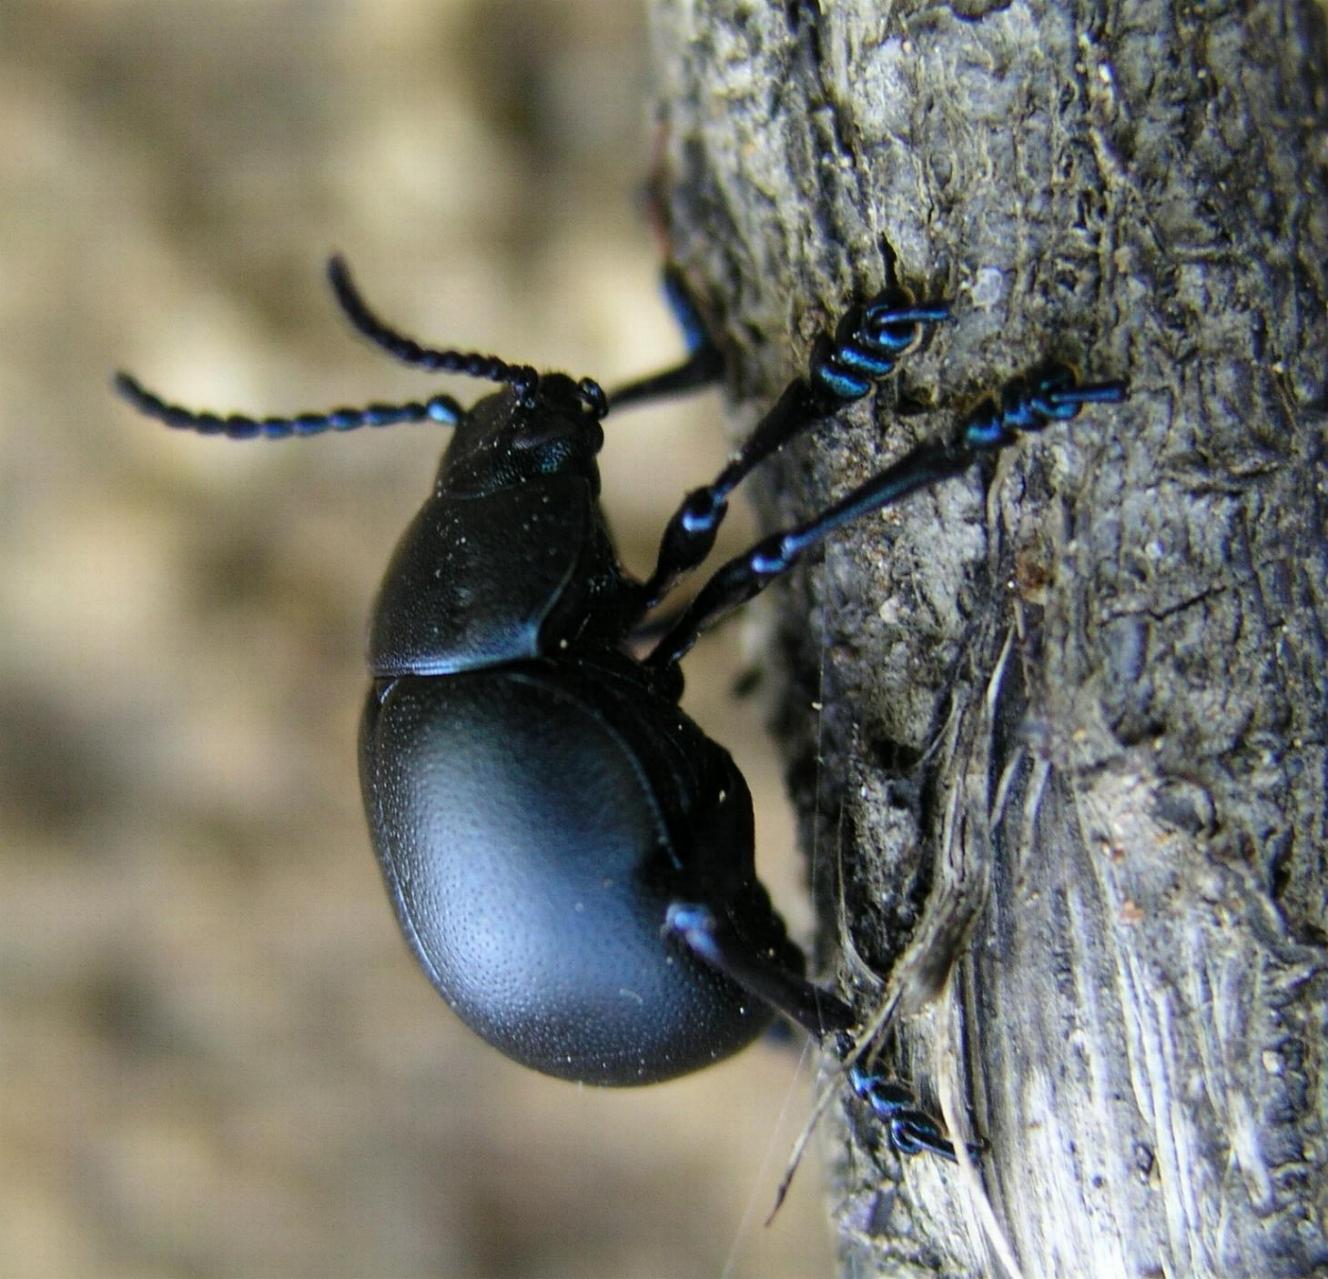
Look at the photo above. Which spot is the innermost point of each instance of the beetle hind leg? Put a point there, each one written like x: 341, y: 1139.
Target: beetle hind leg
x: 819, y: 1012
x: 911, y: 1130
x: 823, y: 1014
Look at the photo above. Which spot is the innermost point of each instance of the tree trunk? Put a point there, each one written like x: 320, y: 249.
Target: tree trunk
x: 1057, y: 729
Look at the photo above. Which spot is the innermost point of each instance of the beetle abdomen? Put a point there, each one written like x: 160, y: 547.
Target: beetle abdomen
x: 531, y: 868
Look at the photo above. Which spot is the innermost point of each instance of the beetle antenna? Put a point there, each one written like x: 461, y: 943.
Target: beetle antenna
x: 521, y: 377
x: 439, y: 408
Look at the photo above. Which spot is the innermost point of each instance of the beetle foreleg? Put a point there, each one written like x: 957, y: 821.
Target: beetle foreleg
x: 1052, y: 394
x: 867, y: 346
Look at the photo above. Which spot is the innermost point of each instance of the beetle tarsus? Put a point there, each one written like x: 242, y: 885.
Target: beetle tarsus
x: 869, y: 343
x: 820, y: 1012
x: 910, y: 1129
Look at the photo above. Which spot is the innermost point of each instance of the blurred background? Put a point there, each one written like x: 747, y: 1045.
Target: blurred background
x: 216, y: 1057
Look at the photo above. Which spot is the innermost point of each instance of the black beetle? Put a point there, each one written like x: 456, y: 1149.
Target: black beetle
x: 569, y: 856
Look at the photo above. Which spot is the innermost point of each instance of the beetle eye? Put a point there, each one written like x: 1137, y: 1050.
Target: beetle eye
x: 593, y: 397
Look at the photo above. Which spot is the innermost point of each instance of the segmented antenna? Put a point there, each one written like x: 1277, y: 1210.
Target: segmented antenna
x: 521, y: 377
x: 438, y: 408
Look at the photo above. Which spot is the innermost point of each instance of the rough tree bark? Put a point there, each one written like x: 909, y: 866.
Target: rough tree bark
x: 1057, y: 730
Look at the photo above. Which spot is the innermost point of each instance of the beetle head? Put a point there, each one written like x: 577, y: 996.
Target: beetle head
x: 551, y: 427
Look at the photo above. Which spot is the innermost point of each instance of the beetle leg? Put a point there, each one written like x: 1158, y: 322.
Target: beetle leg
x: 823, y: 1014
x: 867, y: 347
x: 911, y: 1129
x: 703, y: 364
x: 1052, y: 394
x: 819, y: 1012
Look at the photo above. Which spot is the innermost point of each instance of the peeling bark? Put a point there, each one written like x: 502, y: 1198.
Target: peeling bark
x: 1058, y: 731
